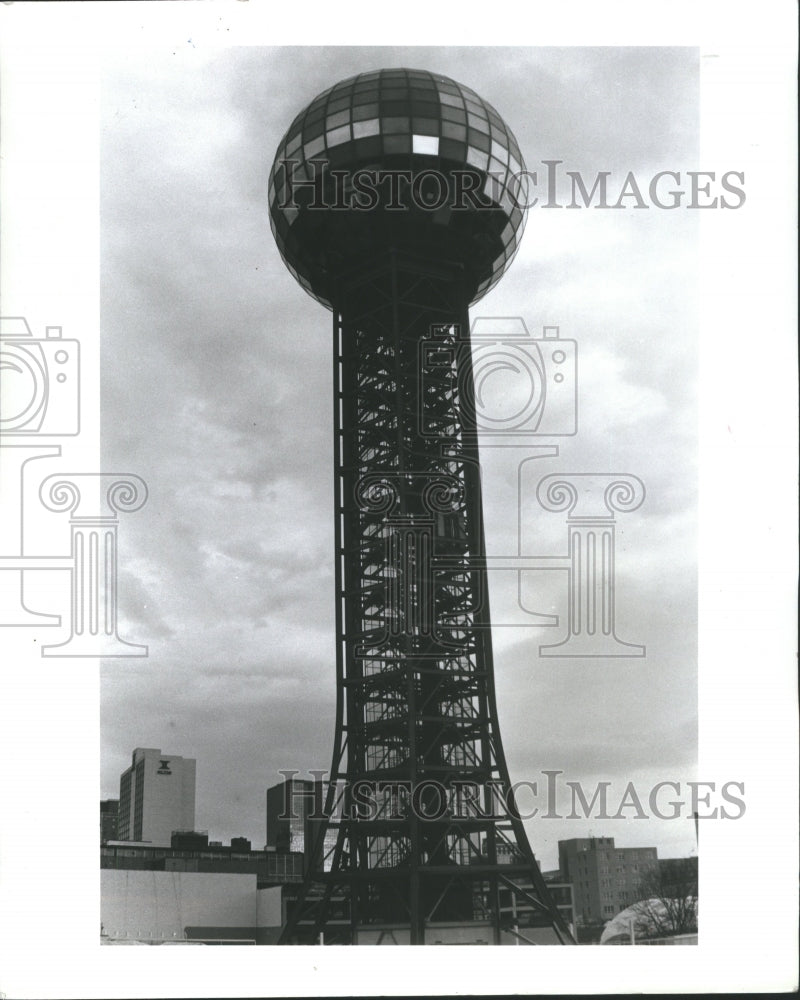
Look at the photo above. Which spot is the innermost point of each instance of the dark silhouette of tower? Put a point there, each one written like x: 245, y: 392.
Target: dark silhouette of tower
x: 395, y: 201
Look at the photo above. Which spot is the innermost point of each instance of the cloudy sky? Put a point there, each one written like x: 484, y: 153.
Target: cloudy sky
x: 216, y: 389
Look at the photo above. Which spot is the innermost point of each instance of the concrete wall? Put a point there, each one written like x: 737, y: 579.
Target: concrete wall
x: 158, y: 906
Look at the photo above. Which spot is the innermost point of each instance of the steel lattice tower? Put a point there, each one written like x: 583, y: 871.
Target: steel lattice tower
x: 393, y: 201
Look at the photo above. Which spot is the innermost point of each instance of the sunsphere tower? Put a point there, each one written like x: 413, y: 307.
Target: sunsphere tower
x: 395, y: 201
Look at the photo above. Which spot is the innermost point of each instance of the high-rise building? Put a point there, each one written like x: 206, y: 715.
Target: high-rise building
x: 605, y: 878
x: 109, y: 815
x: 156, y: 797
x: 294, y: 819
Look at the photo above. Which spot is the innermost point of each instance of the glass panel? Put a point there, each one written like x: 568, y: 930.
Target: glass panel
x: 499, y: 152
x: 365, y: 111
x: 395, y: 125
x: 312, y: 130
x: 425, y: 126
x: 335, y: 120
x: 454, y: 115
x: 425, y: 109
x: 453, y: 131
x: 453, y: 99
x: 361, y: 129
x: 338, y: 135
x: 314, y: 116
x: 312, y: 148
x: 453, y: 150
x: 478, y: 139
x: 498, y: 169
x: 476, y: 158
x: 477, y: 122
x: 426, y: 144
x: 395, y: 109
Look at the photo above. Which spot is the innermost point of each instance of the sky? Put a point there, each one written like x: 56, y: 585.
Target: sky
x: 216, y: 390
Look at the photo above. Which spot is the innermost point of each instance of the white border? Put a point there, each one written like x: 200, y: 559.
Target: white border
x: 50, y: 714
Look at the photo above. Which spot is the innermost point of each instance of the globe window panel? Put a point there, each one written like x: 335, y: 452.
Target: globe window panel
x: 315, y: 146
x: 457, y: 115
x: 425, y: 126
x: 317, y: 105
x: 335, y: 120
x: 391, y: 125
x: 290, y: 213
x: 477, y: 157
x: 427, y: 145
x: 364, y: 87
x: 449, y: 149
x: 425, y: 95
x: 424, y: 109
x: 497, y: 168
x: 445, y: 87
x: 364, y: 77
x: 514, y: 166
x: 451, y: 130
x: 452, y: 99
x: 337, y: 136
x: 362, y: 129
x: 365, y: 111
x: 397, y: 143
x: 294, y: 145
x: 312, y: 130
x: 395, y: 109
x: 499, y: 151
x: 394, y: 93
x: 393, y: 74
x: 478, y: 140
x: 507, y: 203
x: 476, y: 122
x: 494, y: 118
x: 342, y: 104
x: 366, y: 96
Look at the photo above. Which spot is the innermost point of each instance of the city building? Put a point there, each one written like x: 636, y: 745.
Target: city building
x: 109, y: 814
x: 523, y: 921
x: 156, y: 797
x: 294, y: 814
x: 605, y: 878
